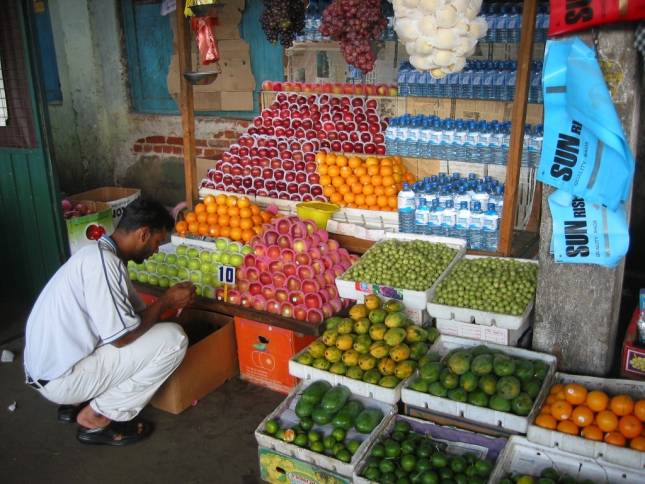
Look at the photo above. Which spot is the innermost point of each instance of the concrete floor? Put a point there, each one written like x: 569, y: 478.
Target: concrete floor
x: 212, y: 442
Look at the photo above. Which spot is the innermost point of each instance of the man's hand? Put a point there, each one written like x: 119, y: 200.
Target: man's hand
x: 179, y: 296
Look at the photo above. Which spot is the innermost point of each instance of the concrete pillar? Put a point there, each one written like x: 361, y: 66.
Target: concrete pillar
x: 576, y: 316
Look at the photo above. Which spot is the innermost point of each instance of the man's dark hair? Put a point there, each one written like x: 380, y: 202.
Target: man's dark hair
x: 145, y: 213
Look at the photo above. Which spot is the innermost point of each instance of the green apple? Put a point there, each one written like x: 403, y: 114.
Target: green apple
x: 196, y: 276
x: 194, y: 264
x: 221, y: 244
x: 208, y: 291
x: 164, y: 282
x: 160, y: 257
x: 162, y: 269
x: 153, y: 279
x: 171, y: 271
x: 205, y: 256
x: 142, y: 277
x: 216, y: 256
x: 206, y: 267
x: 151, y: 266
x: 174, y: 280
x: 225, y: 258
x: 132, y: 274
x: 171, y: 259
x: 198, y: 289
x: 247, y: 250
x: 234, y: 247
x: 236, y: 260
x: 182, y: 249
x: 207, y: 278
x: 141, y: 267
x: 183, y: 274
x: 132, y: 264
x: 182, y: 261
x: 193, y: 252
x: 215, y: 267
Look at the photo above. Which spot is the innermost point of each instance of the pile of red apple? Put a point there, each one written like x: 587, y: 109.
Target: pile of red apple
x: 276, y: 156
x: 72, y: 209
x: 292, y: 271
x: 335, y: 88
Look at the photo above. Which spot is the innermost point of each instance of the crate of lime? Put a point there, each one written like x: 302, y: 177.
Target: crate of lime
x: 495, y: 386
x: 372, y: 352
x: 326, y: 426
x: 404, y: 267
x: 420, y: 451
x: 489, y: 291
x: 523, y: 461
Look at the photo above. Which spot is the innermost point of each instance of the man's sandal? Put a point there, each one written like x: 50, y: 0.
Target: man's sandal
x: 68, y: 413
x: 116, y: 433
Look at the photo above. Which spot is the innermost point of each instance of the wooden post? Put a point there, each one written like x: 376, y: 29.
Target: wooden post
x: 186, y: 104
x: 518, y: 117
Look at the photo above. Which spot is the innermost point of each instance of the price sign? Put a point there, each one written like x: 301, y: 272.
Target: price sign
x: 226, y: 274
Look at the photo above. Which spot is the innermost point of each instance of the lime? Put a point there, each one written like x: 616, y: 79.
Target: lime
x: 306, y: 423
x: 386, y: 466
x: 483, y: 467
x: 460, y: 479
x: 314, y: 436
x: 372, y: 473
x: 439, y: 460
x: 344, y: 455
x: 408, y: 462
x: 525, y: 480
x: 317, y: 447
x: 445, y: 473
x: 402, y: 426
x: 338, y: 434
x: 378, y: 450
x: 392, y: 448
x: 423, y: 464
x: 429, y: 477
x: 398, y: 436
x: 468, y: 381
x: 271, y: 427
x: 329, y: 442
x: 424, y: 449
x: 301, y: 440
x: 352, y: 446
x: 458, y: 464
x: 337, y: 448
x: 408, y: 446
x: 388, y: 478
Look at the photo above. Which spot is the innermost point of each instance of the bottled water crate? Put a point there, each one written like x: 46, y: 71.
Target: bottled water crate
x: 416, y: 300
x: 475, y: 316
x: 522, y: 456
x: 286, y: 414
x: 600, y: 451
x: 500, y: 421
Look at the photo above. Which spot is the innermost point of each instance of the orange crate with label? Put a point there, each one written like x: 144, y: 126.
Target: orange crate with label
x: 264, y: 352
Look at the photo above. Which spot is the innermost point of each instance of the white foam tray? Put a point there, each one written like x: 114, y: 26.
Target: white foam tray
x: 358, y: 387
x: 505, y: 421
x: 523, y: 456
x: 411, y: 299
x: 598, y: 450
x: 286, y: 414
x: 195, y: 241
x: 480, y: 332
x: 468, y: 315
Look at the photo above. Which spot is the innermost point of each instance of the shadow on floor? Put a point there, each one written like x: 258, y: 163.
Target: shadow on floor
x: 212, y: 442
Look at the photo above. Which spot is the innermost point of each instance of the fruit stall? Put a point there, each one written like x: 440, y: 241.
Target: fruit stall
x: 358, y: 237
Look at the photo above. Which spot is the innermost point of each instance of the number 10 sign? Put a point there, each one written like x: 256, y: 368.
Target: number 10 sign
x: 226, y: 275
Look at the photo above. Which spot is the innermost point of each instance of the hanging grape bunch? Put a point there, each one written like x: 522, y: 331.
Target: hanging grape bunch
x: 282, y: 20
x: 355, y: 23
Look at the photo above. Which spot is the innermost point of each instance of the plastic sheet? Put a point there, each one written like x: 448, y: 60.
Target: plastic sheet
x: 571, y: 15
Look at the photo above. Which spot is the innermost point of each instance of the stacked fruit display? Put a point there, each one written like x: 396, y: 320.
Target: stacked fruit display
x: 378, y: 345
x: 199, y: 266
x: 408, y: 456
x: 329, y: 422
x: 573, y: 409
x: 292, y: 271
x: 369, y: 183
x: 282, y: 20
x: 335, y: 88
x: 503, y: 286
x: 414, y: 264
x: 483, y: 377
x: 276, y: 157
x: 224, y: 216
x: 547, y: 476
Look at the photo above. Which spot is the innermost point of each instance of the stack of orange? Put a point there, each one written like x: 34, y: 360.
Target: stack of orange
x: 594, y: 415
x: 369, y: 183
x: 224, y: 216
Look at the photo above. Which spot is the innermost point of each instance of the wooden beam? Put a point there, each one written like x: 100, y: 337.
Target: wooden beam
x: 533, y: 224
x: 518, y: 117
x: 186, y: 104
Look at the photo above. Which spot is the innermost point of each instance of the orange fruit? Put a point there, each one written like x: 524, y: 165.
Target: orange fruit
x: 345, y: 171
x: 391, y: 191
x: 333, y: 171
x: 233, y: 212
x: 568, y: 427
x: 234, y: 221
x: 337, y: 181
x: 386, y: 170
x: 245, y: 212
x: 639, y: 410
x: 336, y: 198
x: 387, y: 180
x: 371, y: 161
x: 222, y: 210
x: 223, y: 220
x: 357, y: 188
x: 365, y: 180
x: 546, y: 408
x: 558, y: 387
x: 231, y: 201
x: 630, y: 426
x: 202, y: 229
x: 582, y: 416
x: 575, y: 394
x: 561, y: 409
x: 341, y: 160
x: 266, y: 216
x: 551, y: 399
x: 546, y: 421
x: 351, y: 180
x: 638, y: 443
x: 191, y: 217
x: 379, y: 190
x: 211, y: 208
x: 321, y: 156
x: 221, y: 199
x: 201, y: 217
x: 621, y: 405
x: 368, y: 189
x: 200, y: 208
x: 592, y: 432
x: 360, y: 171
x: 247, y: 234
x: 330, y: 159
x: 325, y: 180
x: 213, y: 231
x: 211, y: 219
x: 615, y: 438
x: 181, y: 227
x: 372, y: 170
x: 354, y: 162
x: 381, y: 201
x: 243, y: 202
x: 597, y: 400
x: 392, y: 203
x: 344, y: 189
x: 348, y: 197
x: 193, y: 227
x: 225, y: 231
x: 209, y: 200
x: 370, y: 200
x: 359, y: 199
x: 607, y: 421
x: 377, y: 180
x: 328, y: 191
x: 236, y: 233
x: 246, y: 223
x: 323, y: 169
x: 257, y: 220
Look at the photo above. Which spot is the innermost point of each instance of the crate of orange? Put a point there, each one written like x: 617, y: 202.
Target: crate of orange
x: 595, y: 417
x: 365, y: 183
x: 224, y: 215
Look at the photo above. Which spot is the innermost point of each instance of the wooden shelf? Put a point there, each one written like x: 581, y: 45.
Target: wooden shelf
x: 233, y: 310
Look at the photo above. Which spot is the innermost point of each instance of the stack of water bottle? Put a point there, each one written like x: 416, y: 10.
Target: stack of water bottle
x: 459, y: 140
x: 491, y: 80
x: 505, y: 22
x: 313, y: 19
x: 452, y: 206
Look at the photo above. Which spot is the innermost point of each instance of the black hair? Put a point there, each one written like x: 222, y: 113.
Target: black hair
x: 145, y: 213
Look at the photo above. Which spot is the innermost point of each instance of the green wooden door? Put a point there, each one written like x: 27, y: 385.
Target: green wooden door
x: 32, y: 236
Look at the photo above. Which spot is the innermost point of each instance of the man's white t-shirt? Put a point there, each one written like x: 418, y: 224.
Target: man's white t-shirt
x: 88, y: 303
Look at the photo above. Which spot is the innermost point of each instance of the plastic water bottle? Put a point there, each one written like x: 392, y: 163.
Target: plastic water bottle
x: 421, y: 218
x: 490, y: 229
x: 459, y: 140
x: 514, y: 24
x: 480, y: 196
x: 445, y: 196
x: 488, y: 81
x: 478, y: 83
x: 406, y: 208
x: 506, y: 141
x: 535, y: 148
x: 483, y: 148
x: 390, y: 137
x: 475, y: 227
x: 447, y: 140
x: 502, y: 25
x: 465, y: 82
x: 510, y: 82
x: 498, y: 200
x: 449, y: 220
x: 437, y: 141
x: 461, y: 197
x: 472, y: 140
x: 404, y: 90
x: 434, y: 219
x: 412, y: 139
x: 462, y: 222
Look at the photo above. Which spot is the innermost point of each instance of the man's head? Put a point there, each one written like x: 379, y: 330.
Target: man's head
x: 143, y: 227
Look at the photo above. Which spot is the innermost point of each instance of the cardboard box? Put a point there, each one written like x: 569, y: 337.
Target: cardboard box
x: 229, y: 19
x: 116, y: 197
x: 264, y: 352
x: 277, y: 468
x: 81, y: 230
x: 210, y: 361
x: 632, y: 351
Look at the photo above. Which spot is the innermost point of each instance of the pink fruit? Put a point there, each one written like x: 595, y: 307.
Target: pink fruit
x: 327, y: 310
x: 318, y: 266
x: 275, y: 266
x: 335, y: 257
x: 286, y: 310
x: 284, y: 241
x: 234, y: 297
x: 283, y: 226
x: 336, y: 305
x: 255, y: 288
x: 265, y: 278
x: 297, y: 297
x: 338, y: 270
x: 314, y: 316
x: 293, y: 283
x: 302, y: 259
x: 298, y: 230
x: 279, y: 279
x: 273, y: 252
x: 288, y: 256
x: 245, y: 300
x: 289, y: 269
x: 310, y: 286
x: 327, y: 262
x: 305, y: 272
x: 330, y: 277
x: 242, y: 286
x: 252, y: 274
x: 311, y: 226
x: 262, y: 264
x: 259, y: 303
x: 268, y: 292
x: 300, y: 245
x: 273, y: 306
x: 300, y: 312
x: 323, y: 235
x: 281, y: 295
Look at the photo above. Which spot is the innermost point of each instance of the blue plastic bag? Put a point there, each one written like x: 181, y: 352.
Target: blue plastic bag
x: 584, y: 151
x: 586, y: 232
